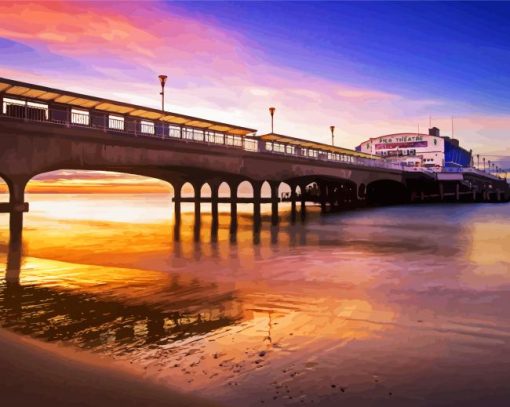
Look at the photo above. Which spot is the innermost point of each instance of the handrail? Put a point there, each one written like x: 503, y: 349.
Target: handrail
x: 132, y: 126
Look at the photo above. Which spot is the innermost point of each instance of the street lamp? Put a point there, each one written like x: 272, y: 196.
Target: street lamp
x: 483, y: 159
x: 162, y: 80
x: 478, y: 161
x: 489, y: 166
x: 271, y: 112
x: 332, y: 128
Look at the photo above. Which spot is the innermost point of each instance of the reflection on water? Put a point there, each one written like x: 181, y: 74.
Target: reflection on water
x: 404, y: 305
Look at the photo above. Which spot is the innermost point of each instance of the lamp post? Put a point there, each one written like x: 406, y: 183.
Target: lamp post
x: 162, y: 80
x: 332, y: 128
x: 483, y: 159
x: 478, y: 161
x: 271, y: 112
x: 489, y: 162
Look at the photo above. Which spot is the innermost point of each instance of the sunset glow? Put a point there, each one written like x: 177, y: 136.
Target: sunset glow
x: 228, y: 71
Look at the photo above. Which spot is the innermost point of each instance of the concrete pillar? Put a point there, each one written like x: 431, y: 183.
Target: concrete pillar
x: 17, y: 199
x: 14, y: 255
x: 197, y: 188
x: 256, y: 205
x: 422, y: 196
x: 293, y: 203
x: 196, y: 228
x: 323, y: 196
x: 233, y: 207
x: 214, y: 210
x: 457, y: 191
x: 274, y: 202
x: 303, y: 201
x: 441, y: 191
x: 177, y: 203
x: 177, y: 211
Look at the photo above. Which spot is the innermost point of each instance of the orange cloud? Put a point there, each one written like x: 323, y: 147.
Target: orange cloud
x: 213, y: 72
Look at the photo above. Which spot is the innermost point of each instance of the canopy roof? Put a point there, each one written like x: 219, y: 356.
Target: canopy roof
x: 279, y: 138
x: 42, y: 93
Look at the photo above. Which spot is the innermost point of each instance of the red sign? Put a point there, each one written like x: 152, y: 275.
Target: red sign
x: 408, y: 144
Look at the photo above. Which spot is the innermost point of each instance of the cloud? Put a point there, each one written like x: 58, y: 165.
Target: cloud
x: 116, y: 50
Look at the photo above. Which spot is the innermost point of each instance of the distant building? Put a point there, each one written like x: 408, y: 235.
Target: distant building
x: 418, y: 150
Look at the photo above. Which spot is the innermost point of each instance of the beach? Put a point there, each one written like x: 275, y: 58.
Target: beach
x: 371, y: 307
x: 47, y: 375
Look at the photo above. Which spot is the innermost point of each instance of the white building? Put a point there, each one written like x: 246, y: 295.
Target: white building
x: 416, y: 149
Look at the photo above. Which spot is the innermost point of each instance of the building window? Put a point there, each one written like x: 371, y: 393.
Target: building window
x: 219, y: 138
x: 115, y: 122
x: 147, y: 127
x: 24, y: 109
x: 174, y: 131
x: 81, y: 117
x: 188, y: 133
x: 12, y: 106
x: 198, y: 135
x: 269, y: 146
x: 250, y: 144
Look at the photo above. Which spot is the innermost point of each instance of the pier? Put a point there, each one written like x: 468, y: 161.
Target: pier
x: 44, y: 129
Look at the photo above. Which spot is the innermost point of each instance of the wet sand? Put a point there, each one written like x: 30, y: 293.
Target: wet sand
x: 44, y: 375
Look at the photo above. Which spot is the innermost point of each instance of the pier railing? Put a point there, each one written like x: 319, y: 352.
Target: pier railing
x: 471, y: 170
x: 28, y: 111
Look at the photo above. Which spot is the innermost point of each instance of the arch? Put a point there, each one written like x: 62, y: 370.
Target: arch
x: 386, y: 192
x: 265, y: 190
x: 224, y: 190
x: 245, y: 188
x: 67, y: 181
x: 5, y: 189
x: 187, y: 189
x: 284, y: 190
x: 64, y: 181
x: 205, y: 190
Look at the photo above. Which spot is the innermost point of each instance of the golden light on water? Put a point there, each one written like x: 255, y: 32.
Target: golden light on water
x: 364, y: 291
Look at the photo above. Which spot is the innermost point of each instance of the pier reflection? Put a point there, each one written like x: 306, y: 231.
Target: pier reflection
x: 14, y: 256
x: 251, y: 312
x: 53, y: 313
x: 210, y: 230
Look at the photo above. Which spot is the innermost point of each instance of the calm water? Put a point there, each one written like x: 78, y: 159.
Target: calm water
x: 401, y: 305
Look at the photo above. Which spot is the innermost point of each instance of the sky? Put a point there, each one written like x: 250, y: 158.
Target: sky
x: 367, y: 68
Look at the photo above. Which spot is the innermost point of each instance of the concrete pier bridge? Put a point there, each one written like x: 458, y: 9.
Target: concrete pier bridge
x: 44, y: 129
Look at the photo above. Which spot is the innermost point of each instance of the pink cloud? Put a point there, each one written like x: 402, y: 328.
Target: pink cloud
x: 213, y: 71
